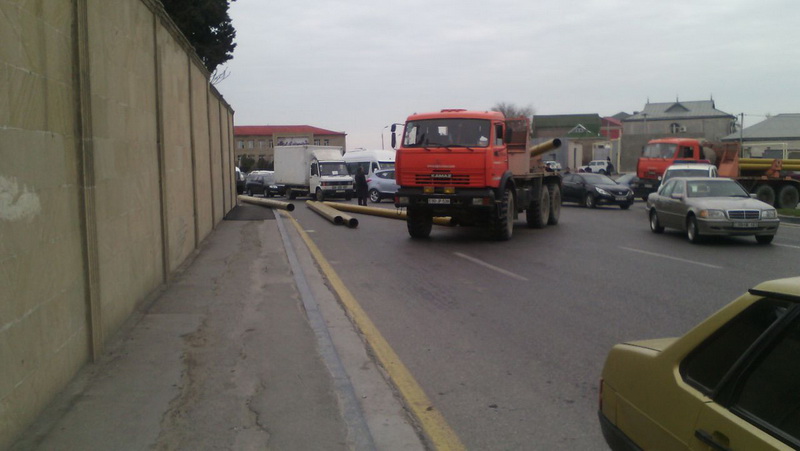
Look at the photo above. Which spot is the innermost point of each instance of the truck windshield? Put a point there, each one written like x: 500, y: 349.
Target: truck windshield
x: 333, y: 169
x: 447, y: 132
x: 659, y: 150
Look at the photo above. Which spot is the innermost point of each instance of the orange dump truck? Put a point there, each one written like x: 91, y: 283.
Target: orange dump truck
x: 477, y: 168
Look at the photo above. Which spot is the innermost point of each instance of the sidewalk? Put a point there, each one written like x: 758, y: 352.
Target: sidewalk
x: 246, y: 349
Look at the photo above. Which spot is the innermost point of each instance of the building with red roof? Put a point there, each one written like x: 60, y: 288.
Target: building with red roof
x: 259, y: 141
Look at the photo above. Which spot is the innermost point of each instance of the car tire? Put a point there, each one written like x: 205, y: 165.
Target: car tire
x: 374, y: 196
x: 655, y: 226
x: 248, y: 192
x: 589, y: 201
x: 692, y: 232
x: 764, y: 239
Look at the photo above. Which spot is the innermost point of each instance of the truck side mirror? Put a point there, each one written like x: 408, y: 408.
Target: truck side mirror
x: 394, y: 136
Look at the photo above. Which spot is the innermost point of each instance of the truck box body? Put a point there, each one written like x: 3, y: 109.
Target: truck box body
x: 318, y: 170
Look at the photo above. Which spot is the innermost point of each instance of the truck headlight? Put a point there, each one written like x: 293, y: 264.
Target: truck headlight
x: 769, y: 214
x: 712, y: 214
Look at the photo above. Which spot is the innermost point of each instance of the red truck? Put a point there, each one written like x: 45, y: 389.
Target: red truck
x: 477, y: 168
x: 768, y: 178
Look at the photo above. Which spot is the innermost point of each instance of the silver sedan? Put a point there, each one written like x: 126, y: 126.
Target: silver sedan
x: 711, y: 206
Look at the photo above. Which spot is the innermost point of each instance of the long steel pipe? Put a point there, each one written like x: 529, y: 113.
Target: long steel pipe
x: 288, y: 206
x: 384, y: 212
x: 331, y: 214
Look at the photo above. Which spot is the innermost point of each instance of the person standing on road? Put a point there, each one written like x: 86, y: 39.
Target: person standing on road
x: 361, y: 186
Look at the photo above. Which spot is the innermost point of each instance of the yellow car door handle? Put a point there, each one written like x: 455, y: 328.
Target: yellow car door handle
x: 711, y: 441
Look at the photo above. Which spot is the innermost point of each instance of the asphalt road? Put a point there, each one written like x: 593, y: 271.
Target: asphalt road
x: 508, y: 338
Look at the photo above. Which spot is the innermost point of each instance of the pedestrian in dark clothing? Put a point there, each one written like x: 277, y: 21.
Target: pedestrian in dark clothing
x: 361, y: 186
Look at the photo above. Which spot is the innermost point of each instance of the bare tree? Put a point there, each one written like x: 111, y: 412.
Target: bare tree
x: 510, y: 110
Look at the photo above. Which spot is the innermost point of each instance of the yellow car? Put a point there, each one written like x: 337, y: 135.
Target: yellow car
x: 732, y: 382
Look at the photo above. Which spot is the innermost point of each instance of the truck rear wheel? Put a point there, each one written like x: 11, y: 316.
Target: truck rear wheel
x: 765, y: 193
x: 788, y: 197
x: 555, y: 203
x: 503, y: 224
x: 419, y: 223
x: 538, y: 212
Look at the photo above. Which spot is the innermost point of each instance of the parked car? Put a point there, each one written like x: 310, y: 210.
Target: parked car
x: 626, y: 179
x: 705, y: 206
x: 381, y: 185
x: 263, y: 182
x: 240, y: 181
x: 553, y: 166
x: 592, y: 190
x: 729, y: 383
x: 599, y: 167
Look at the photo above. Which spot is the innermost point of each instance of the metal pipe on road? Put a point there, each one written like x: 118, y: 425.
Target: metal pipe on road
x: 288, y: 206
x: 331, y: 214
x: 384, y: 212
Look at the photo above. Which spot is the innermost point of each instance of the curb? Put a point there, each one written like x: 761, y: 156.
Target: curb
x: 789, y: 219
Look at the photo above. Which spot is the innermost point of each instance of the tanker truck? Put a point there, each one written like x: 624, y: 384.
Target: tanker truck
x: 769, y: 179
x: 477, y: 168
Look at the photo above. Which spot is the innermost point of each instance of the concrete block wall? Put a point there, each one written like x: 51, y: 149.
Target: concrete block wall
x: 116, y: 161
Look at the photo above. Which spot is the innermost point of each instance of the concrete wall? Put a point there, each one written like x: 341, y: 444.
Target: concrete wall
x: 115, y: 162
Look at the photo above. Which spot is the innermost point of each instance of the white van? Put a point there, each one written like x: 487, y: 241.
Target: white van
x: 370, y: 160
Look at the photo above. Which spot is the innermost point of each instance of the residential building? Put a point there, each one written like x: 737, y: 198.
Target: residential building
x: 685, y: 119
x: 259, y: 141
x: 776, y: 137
x: 584, y: 137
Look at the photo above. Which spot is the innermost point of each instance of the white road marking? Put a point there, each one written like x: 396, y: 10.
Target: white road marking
x: 671, y: 258
x: 492, y: 267
x: 786, y: 245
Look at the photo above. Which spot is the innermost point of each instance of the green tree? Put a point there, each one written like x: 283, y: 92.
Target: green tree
x: 207, y: 26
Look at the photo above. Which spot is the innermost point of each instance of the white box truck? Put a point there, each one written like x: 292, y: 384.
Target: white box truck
x: 313, y: 170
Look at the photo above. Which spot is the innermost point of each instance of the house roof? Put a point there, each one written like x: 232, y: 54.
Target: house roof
x: 781, y: 126
x: 565, y: 120
x: 268, y: 130
x: 678, y: 110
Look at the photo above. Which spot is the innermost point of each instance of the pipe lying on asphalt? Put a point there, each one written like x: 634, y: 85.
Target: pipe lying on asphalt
x: 332, y: 214
x: 267, y: 202
x: 384, y: 212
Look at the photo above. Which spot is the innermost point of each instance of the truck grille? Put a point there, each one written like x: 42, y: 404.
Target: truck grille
x: 743, y: 214
x: 440, y: 179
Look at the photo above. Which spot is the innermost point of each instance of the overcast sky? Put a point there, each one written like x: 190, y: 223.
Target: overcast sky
x: 356, y: 66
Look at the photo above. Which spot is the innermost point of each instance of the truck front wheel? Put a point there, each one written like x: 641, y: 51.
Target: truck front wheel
x: 419, y: 223
x: 538, y: 212
x: 503, y: 222
x: 320, y: 195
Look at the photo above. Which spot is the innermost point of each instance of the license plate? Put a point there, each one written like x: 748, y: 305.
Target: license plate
x: 745, y: 225
x: 438, y: 201
x: 621, y: 198
x: 647, y: 185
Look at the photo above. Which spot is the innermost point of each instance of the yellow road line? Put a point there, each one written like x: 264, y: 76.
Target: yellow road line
x: 429, y: 418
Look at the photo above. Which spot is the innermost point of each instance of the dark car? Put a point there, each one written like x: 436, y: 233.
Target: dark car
x: 262, y: 182
x: 240, y: 181
x: 592, y: 190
